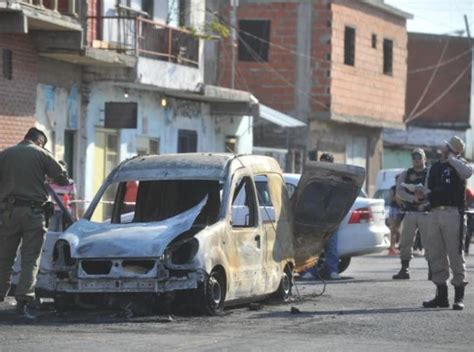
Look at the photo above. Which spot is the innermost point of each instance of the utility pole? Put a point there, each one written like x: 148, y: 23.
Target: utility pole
x: 470, y: 136
x: 233, y: 24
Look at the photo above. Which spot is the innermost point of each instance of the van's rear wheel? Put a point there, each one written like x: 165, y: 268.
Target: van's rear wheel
x: 283, y: 294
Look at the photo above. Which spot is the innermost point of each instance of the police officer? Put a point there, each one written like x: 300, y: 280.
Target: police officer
x: 447, y: 186
x: 414, y: 207
x: 23, y: 171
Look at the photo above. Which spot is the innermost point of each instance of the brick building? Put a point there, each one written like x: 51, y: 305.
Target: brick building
x: 438, y: 110
x: 338, y: 65
x: 18, y: 81
x: 110, y: 79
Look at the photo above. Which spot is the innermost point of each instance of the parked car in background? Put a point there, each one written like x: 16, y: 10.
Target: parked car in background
x: 362, y: 231
x: 383, y: 183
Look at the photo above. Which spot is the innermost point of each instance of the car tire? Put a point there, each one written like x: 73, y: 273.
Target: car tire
x: 283, y: 294
x: 212, y: 293
x: 344, y: 264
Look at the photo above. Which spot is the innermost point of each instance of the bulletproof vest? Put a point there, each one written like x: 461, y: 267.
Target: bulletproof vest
x: 447, y: 188
x: 414, y: 177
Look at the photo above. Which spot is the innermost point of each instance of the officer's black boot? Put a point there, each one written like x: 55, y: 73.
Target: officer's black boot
x: 23, y: 311
x: 403, y: 274
x: 440, y: 300
x: 458, y: 298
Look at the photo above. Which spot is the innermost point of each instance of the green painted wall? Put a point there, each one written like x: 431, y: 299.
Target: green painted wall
x: 396, y: 158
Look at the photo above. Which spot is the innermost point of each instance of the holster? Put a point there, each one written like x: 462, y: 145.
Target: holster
x: 48, y: 208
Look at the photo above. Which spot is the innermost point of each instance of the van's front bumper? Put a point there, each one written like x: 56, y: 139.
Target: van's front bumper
x: 130, y: 285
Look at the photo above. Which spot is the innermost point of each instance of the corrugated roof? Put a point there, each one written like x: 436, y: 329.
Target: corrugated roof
x: 279, y: 118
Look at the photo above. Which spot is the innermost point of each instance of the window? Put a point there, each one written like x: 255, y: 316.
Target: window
x: 349, y: 46
x: 374, y: 41
x: 291, y: 189
x: 121, y: 115
x: 147, y: 6
x: 267, y: 210
x: 69, y: 143
x: 187, y: 141
x: 138, y: 201
x: 388, y: 57
x: 7, y: 63
x: 230, y: 144
x: 254, y: 39
x: 244, y: 204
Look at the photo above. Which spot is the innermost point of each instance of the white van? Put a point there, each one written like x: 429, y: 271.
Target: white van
x: 385, y: 180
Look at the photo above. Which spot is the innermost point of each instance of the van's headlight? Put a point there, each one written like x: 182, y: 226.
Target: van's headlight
x: 62, y: 254
x: 182, y: 252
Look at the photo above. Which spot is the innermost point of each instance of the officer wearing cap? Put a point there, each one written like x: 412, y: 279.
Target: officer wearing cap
x: 447, y: 187
x: 414, y: 205
x: 23, y: 171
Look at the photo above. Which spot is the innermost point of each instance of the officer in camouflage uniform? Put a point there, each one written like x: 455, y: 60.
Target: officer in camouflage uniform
x: 447, y: 186
x: 23, y: 171
x: 414, y: 206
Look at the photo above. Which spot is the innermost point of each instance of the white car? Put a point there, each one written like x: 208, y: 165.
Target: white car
x: 362, y: 231
x: 383, y: 183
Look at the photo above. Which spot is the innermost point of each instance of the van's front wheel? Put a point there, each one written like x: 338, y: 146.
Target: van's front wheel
x: 212, y: 293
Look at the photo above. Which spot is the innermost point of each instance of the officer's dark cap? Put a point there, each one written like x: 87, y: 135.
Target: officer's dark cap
x: 35, y: 135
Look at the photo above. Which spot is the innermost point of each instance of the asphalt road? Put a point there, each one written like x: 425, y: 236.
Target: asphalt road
x: 367, y: 311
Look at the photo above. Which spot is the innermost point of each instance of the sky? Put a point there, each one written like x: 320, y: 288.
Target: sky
x: 437, y: 16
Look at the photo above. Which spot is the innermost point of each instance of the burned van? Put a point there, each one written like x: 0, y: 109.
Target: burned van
x: 200, y: 226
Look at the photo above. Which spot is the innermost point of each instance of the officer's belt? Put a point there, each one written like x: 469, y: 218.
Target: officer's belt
x: 23, y: 203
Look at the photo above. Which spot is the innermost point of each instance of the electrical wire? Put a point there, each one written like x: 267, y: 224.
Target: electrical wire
x: 433, y: 75
x: 441, y: 96
x: 446, y: 62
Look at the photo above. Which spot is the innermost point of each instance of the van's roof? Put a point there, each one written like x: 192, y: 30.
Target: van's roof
x: 185, y: 166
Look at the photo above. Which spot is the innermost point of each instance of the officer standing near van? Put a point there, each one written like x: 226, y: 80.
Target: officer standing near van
x: 447, y: 187
x: 23, y: 195
x: 414, y: 206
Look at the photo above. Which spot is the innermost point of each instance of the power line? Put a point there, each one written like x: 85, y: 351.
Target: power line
x: 259, y: 60
x: 433, y: 75
x: 441, y: 96
x: 443, y: 63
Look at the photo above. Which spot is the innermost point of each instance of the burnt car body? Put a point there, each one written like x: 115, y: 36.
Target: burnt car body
x: 196, y: 224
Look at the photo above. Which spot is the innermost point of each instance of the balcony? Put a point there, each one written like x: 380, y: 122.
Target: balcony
x: 65, y: 7
x: 140, y: 37
x: 18, y: 16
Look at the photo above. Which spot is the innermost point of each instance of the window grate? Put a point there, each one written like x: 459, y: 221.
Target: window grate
x: 349, y: 46
x: 388, y: 57
x: 7, y: 64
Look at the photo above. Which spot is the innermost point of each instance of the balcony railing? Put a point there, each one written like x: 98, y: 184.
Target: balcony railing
x: 142, y: 37
x: 65, y: 7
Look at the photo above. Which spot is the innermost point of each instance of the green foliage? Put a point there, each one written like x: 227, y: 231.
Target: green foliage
x: 213, y: 30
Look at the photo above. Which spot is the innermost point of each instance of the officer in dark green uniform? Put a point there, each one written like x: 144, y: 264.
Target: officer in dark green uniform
x: 23, y: 171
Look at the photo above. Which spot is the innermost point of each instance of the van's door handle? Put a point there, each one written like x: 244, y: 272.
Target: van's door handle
x: 258, y: 239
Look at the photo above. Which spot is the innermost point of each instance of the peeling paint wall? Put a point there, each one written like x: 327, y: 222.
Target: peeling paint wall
x: 168, y: 74
x: 159, y: 123
x: 57, y: 109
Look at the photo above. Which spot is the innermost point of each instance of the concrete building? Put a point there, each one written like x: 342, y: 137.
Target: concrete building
x: 438, y: 101
x: 110, y: 79
x: 338, y: 65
